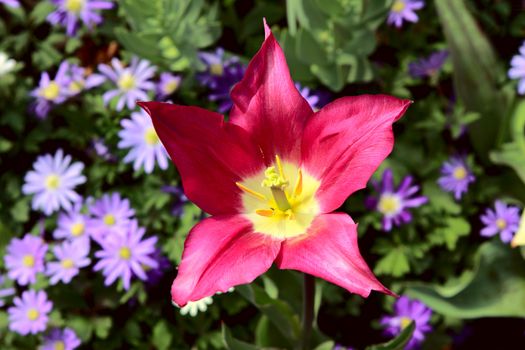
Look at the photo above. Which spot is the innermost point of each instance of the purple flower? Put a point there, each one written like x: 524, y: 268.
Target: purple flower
x: 504, y: 220
x: 428, y: 66
x: 309, y: 96
x: 52, y: 182
x: 394, y: 204
x: 79, y: 80
x: 132, y: 83
x: 180, y: 199
x: 404, y: 10
x: 517, y: 69
x: 57, y: 339
x: 111, y: 215
x: 25, y: 258
x: 71, y: 256
x: 4, y: 292
x: 29, y: 315
x: 455, y: 176
x: 69, y: 12
x: 124, y: 255
x: 154, y: 275
x: 406, y: 311
x: 146, y: 150
x: 99, y: 148
x: 167, y: 85
x: 51, y: 92
x: 71, y: 225
x: 10, y: 3
x: 215, y: 63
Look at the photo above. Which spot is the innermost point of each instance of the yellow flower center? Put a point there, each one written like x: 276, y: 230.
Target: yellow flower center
x: 28, y: 260
x: 76, y: 86
x: 52, y: 182
x: 77, y: 229
x: 32, y: 314
x: 405, y: 321
x: 460, y: 173
x: 125, y: 253
x: 51, y: 91
x: 216, y: 69
x: 151, y: 136
x: 59, y: 345
x: 109, y: 219
x: 276, y: 207
x: 501, y: 223
x: 67, y: 263
x: 74, y: 6
x: 389, y: 204
x: 126, y: 82
x: 398, y: 6
x: 170, y: 87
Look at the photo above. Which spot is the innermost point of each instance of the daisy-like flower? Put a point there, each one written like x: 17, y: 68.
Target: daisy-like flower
x: 455, y: 176
x: 4, y: 292
x: 6, y: 64
x: 517, y: 69
x: 80, y: 80
x: 193, y: 307
x: 25, y: 258
x: 71, y: 257
x: 215, y: 63
x: 51, y: 92
x: 126, y: 255
x: 505, y: 220
x: 406, y: 311
x: 404, y: 10
x: 73, y: 224
x: 309, y: 96
x: 394, y: 203
x: 132, y: 82
x: 60, y: 339
x: 52, y: 182
x: 29, y: 315
x: 139, y: 134
x: 428, y: 66
x: 168, y: 84
x: 69, y: 12
x: 10, y: 3
x: 111, y: 215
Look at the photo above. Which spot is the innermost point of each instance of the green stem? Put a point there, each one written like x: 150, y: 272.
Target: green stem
x: 308, y: 309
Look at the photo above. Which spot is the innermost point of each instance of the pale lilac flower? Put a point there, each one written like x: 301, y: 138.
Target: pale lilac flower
x: 69, y: 12
x: 394, y: 203
x: 73, y: 224
x: 146, y: 150
x: 126, y: 255
x: 79, y: 80
x: 517, y: 69
x: 52, y: 182
x: 428, y: 66
x: 168, y: 84
x: 29, y: 315
x: 51, y: 92
x: 10, y: 3
x: 60, y: 339
x: 310, y: 97
x: 406, y: 311
x: 71, y: 257
x: 455, y: 176
x: 132, y: 82
x: 505, y: 220
x: 25, y: 258
x: 111, y: 215
x: 404, y: 10
x: 4, y: 292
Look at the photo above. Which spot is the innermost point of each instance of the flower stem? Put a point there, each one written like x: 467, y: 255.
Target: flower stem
x: 308, y: 309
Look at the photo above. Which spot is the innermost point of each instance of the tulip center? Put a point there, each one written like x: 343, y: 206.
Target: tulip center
x: 404, y: 322
x: 59, y: 345
x: 51, y: 91
x: 389, y: 204
x: 398, y: 6
x: 126, y: 82
x: 501, y: 223
x: 77, y: 229
x: 32, y: 314
x: 460, y: 173
x: 216, y: 69
x: 280, y: 200
x: 28, y: 260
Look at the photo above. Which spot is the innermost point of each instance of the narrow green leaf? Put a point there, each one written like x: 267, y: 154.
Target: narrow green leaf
x: 399, y: 342
x: 233, y: 344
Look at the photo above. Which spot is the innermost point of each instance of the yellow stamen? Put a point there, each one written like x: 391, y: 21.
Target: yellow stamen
x: 280, y: 167
x: 251, y: 192
x: 398, y: 6
x: 109, y: 219
x: 77, y: 229
x: 52, y: 182
x: 299, y: 184
x: 59, y: 345
x: 74, y: 6
x: 501, y: 223
x: 264, y: 212
x: 405, y: 321
x: 50, y: 92
x: 460, y: 173
x: 32, y: 314
x: 216, y: 69
x: 67, y: 263
x: 28, y: 260
x: 151, y: 136
x: 125, y: 253
x: 126, y: 82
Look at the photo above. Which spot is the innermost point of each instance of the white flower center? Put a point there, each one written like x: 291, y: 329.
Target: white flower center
x: 389, y: 204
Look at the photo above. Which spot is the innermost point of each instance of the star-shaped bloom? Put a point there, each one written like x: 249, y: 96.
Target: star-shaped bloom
x: 504, y: 219
x: 404, y: 10
x: 25, y: 258
x: 517, y: 69
x: 271, y: 177
x: 29, y: 315
x: 69, y: 12
x: 51, y: 92
x: 112, y: 214
x: 60, y: 339
x: 456, y: 176
x: 71, y: 257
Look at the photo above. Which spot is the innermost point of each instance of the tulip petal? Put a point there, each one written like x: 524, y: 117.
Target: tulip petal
x: 219, y: 253
x: 345, y: 142
x: 210, y: 154
x: 329, y: 250
x: 267, y: 104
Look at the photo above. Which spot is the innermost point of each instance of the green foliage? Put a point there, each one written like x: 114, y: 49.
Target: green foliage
x: 399, y: 342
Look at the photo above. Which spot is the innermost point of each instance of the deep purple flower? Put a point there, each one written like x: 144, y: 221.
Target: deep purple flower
x: 132, y: 83
x: 406, y: 311
x: 25, y: 258
x: 517, y: 69
x: 392, y: 203
x: 4, y: 292
x: 310, y: 97
x: 111, y: 215
x: 404, y: 10
x: 428, y: 66
x: 73, y: 224
x: 69, y: 12
x: 504, y: 220
x: 168, y: 84
x: 180, y: 199
x: 29, y: 315
x: 124, y: 255
x: 51, y: 92
x: 10, y: 3
x: 215, y: 63
x: 154, y: 275
x: 71, y: 257
x: 60, y: 339
x: 455, y: 176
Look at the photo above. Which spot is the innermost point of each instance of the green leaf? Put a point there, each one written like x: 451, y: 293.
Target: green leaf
x: 233, y: 344
x: 327, y: 345
x: 162, y: 335
x: 394, y: 263
x: 102, y: 326
x: 399, y: 342
x: 496, y: 288
x: 308, y: 50
x: 453, y: 229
